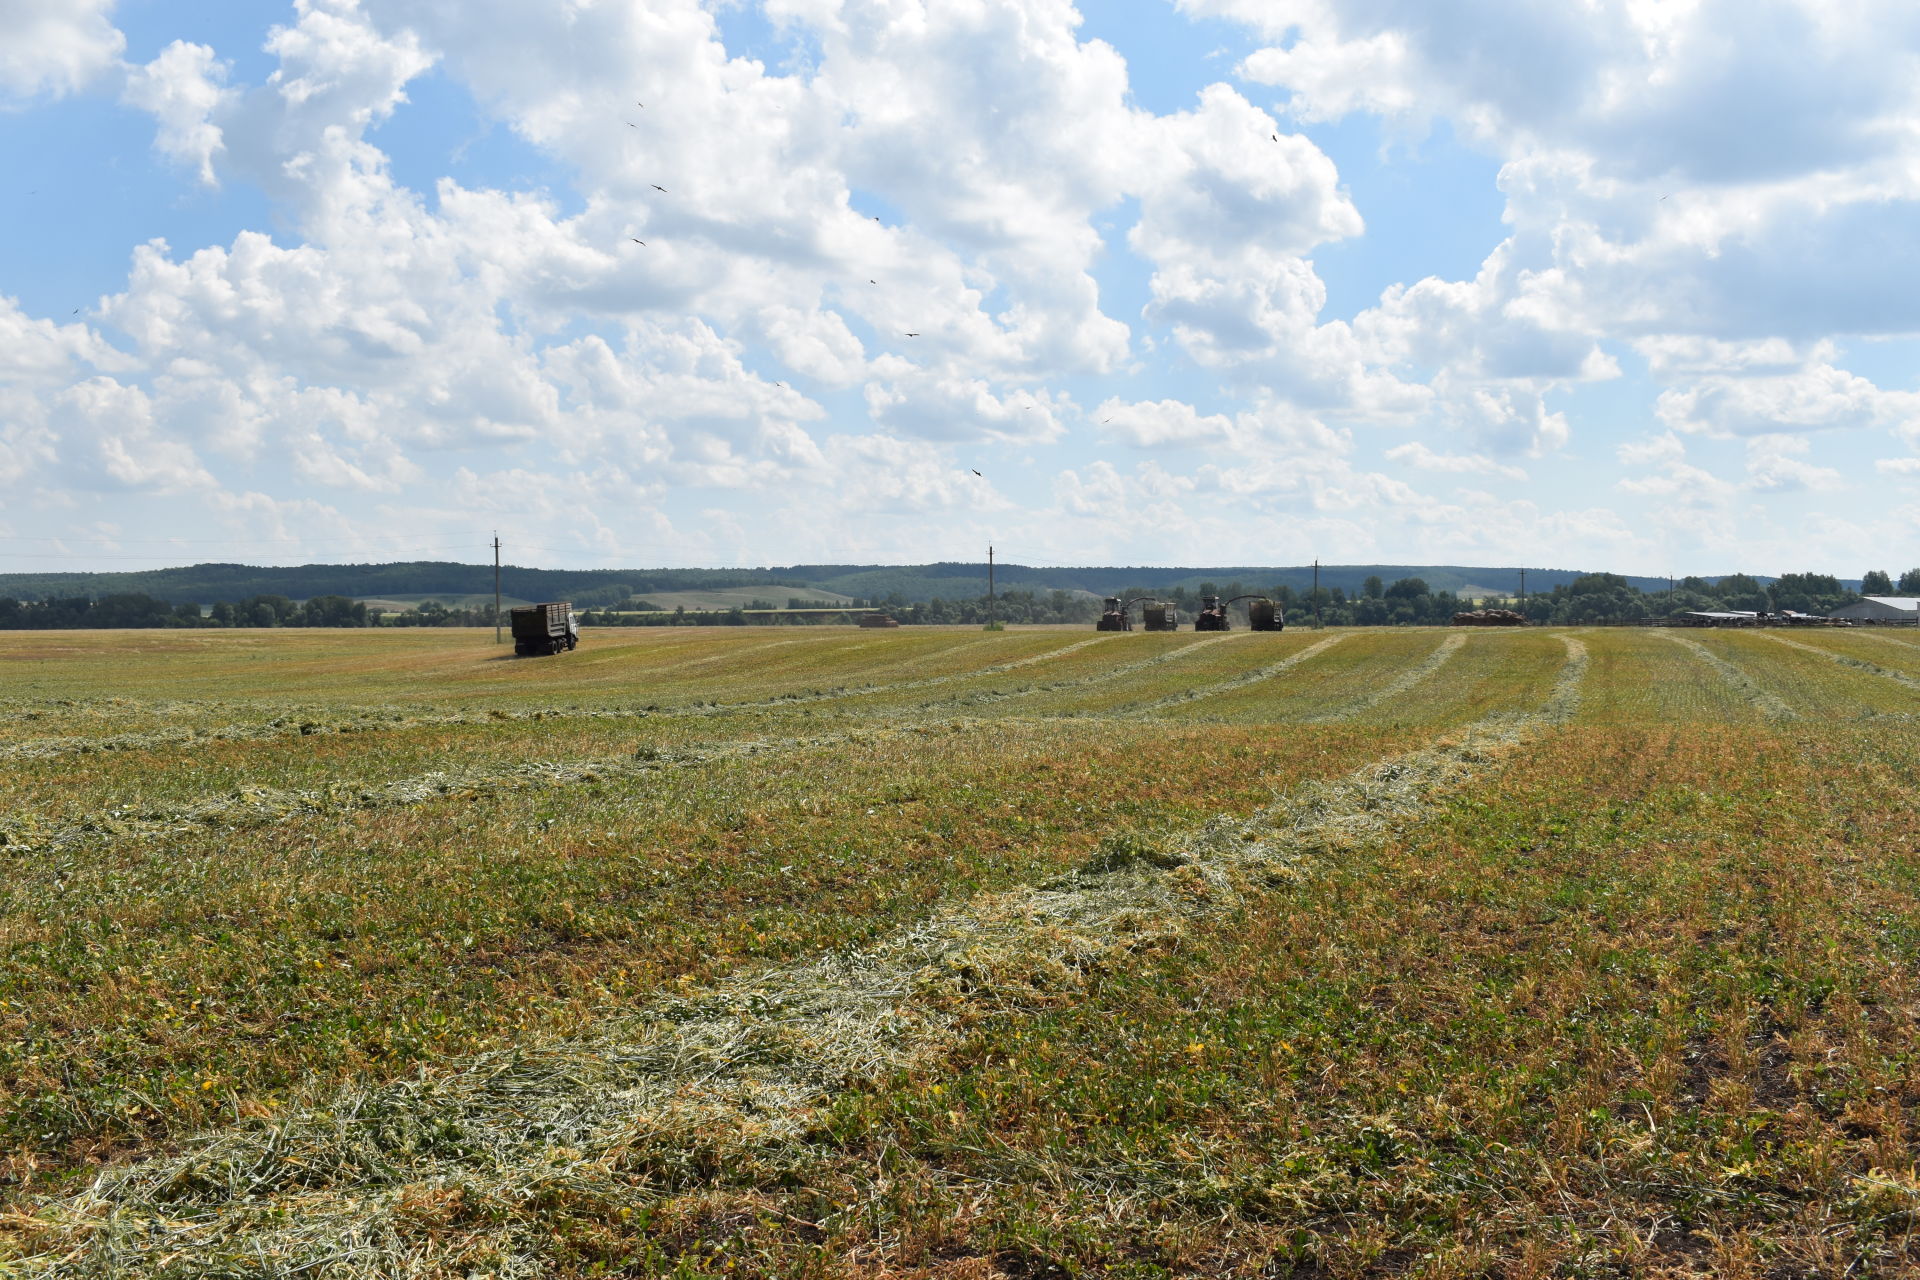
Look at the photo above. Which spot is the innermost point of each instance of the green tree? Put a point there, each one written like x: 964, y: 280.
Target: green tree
x: 1875, y: 582
x: 1373, y: 588
x: 1909, y: 584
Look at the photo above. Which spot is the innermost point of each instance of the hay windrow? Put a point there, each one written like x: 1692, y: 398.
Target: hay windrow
x: 647, y: 1103
x: 313, y: 721
x: 1099, y: 677
x: 262, y: 806
x: 1847, y: 660
x: 1403, y: 683
x: 1768, y: 704
x: 1241, y: 681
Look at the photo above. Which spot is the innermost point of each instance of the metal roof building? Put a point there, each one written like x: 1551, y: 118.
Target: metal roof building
x: 1881, y: 609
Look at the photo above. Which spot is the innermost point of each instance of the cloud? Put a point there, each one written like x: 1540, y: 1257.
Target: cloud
x: 106, y: 441
x: 1817, y: 398
x: 934, y: 406
x: 1162, y: 423
x: 184, y: 89
x: 1661, y: 90
x: 1777, y: 464
x: 1418, y: 455
x: 56, y: 47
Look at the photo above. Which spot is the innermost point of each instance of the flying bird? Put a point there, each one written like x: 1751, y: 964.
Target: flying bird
x: 976, y: 473
x: 636, y: 239
x: 913, y: 335
x: 1275, y: 137
x: 657, y: 187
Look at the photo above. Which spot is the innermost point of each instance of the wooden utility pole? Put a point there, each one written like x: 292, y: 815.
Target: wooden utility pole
x: 496, y: 586
x: 990, y: 617
x: 1316, y: 593
x: 1523, y: 591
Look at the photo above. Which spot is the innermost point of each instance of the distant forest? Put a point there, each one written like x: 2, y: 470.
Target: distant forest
x: 1373, y: 600
x: 206, y: 584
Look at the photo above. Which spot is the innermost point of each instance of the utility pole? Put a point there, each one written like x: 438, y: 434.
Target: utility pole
x: 1316, y: 593
x: 990, y: 617
x: 1523, y: 591
x: 496, y: 586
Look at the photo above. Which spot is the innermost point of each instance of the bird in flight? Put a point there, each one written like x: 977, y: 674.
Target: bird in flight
x: 639, y: 104
x: 636, y: 239
x: 1275, y: 137
x: 913, y: 335
x: 657, y: 187
x: 976, y: 473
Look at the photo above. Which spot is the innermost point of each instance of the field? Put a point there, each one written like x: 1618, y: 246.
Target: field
x: 942, y: 953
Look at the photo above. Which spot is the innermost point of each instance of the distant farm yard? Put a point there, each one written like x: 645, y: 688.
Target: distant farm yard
x: 934, y: 952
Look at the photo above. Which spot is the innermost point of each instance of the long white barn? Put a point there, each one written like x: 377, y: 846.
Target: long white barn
x: 1881, y: 609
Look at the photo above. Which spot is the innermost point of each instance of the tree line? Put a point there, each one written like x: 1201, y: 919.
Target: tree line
x: 1590, y: 598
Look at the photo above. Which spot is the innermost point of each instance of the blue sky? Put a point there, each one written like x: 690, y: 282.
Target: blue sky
x: 1247, y: 281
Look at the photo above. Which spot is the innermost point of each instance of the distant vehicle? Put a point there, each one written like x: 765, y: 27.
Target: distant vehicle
x: 1160, y: 615
x: 544, y: 628
x: 1264, y: 615
x: 1114, y: 616
x: 879, y: 620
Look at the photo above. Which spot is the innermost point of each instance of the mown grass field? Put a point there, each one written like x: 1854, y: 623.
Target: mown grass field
x: 941, y: 953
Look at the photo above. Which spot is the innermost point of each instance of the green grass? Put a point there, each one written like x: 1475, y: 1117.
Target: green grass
x: 1618, y: 982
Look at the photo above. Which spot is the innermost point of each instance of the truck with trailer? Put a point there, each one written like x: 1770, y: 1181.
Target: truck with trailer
x: 544, y: 628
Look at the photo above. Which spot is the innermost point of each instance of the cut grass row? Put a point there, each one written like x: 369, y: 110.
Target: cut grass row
x: 455, y: 674
x: 151, y: 986
x: 217, y: 780
x: 1645, y: 1006
x: 490, y: 1137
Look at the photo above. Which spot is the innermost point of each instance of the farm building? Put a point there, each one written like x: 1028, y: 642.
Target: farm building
x: 1881, y: 609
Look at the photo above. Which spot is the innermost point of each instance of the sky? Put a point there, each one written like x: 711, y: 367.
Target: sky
x: 1625, y: 284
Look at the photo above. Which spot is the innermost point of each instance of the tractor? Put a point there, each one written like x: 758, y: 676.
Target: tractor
x: 1262, y: 615
x: 1113, y: 615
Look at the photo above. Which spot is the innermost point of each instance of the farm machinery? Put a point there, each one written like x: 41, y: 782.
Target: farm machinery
x: 544, y: 628
x: 1262, y: 615
x: 1155, y: 615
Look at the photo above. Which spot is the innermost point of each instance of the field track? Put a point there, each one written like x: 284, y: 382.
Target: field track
x: 935, y: 953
